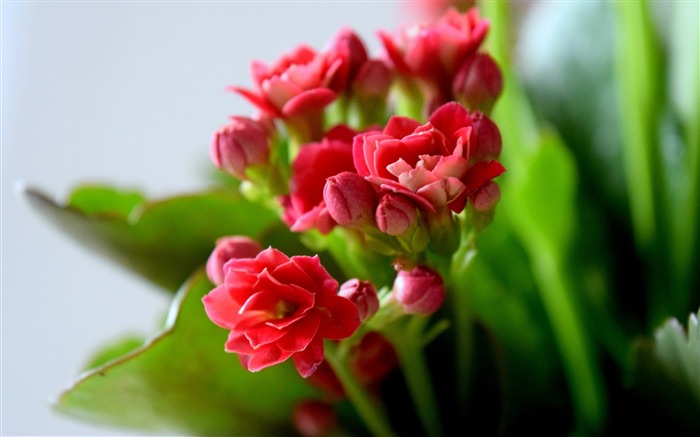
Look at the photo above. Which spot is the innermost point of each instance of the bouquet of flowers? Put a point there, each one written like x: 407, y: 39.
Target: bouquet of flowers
x: 424, y: 240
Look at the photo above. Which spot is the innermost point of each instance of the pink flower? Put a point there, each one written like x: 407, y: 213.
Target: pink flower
x: 434, y: 52
x: 428, y: 163
x: 242, y: 143
x: 316, y: 162
x: 294, y: 83
x: 278, y: 307
x: 228, y: 248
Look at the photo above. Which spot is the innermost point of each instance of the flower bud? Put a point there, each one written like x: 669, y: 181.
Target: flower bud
x: 363, y: 294
x: 478, y: 82
x: 350, y: 199
x: 347, y: 53
x: 486, y: 197
x: 373, y: 359
x: 314, y: 418
x: 228, y: 248
x: 242, y: 143
x: 419, y: 291
x: 395, y: 214
x: 373, y: 80
x: 486, y: 139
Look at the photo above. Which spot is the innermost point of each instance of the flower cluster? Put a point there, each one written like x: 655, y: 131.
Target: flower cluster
x: 385, y: 152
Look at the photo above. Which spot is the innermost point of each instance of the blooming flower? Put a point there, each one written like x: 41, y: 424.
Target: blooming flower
x: 428, y: 163
x: 434, y: 52
x: 278, y: 307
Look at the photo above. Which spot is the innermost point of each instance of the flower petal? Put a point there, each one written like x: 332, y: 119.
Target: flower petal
x: 220, y: 307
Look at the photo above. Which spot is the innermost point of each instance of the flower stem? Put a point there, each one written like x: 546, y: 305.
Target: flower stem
x: 409, y: 348
x: 371, y: 412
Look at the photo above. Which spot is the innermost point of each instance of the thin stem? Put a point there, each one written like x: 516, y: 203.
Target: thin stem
x: 409, y: 348
x: 371, y: 411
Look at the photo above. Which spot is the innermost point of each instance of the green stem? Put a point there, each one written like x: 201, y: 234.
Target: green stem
x: 461, y: 261
x: 578, y: 358
x: 409, y: 349
x: 371, y: 412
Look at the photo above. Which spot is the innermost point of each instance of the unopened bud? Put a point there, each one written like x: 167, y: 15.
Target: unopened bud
x: 486, y: 197
x: 314, y: 418
x: 373, y: 79
x: 228, y: 248
x: 363, y: 294
x: 242, y: 143
x: 395, y: 214
x: 419, y: 291
x: 373, y: 359
x: 350, y: 199
x: 478, y: 82
x: 486, y: 139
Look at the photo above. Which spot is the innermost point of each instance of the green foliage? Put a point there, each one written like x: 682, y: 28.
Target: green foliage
x: 165, y: 240
x: 181, y: 381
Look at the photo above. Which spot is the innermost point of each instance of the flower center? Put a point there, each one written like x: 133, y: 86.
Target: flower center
x: 284, y: 309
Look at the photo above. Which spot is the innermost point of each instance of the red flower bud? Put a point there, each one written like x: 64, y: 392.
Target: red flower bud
x: 242, y: 143
x: 373, y: 359
x: 485, y: 198
x: 420, y: 291
x: 363, y: 294
x: 228, y: 248
x: 373, y: 79
x: 486, y: 139
x: 314, y: 418
x: 350, y: 199
x: 395, y: 214
x: 478, y: 82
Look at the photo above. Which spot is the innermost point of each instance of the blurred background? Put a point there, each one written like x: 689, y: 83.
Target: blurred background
x: 126, y: 94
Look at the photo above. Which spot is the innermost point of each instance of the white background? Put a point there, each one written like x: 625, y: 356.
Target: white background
x: 126, y: 93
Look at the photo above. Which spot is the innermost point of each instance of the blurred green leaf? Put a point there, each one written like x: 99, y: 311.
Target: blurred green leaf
x: 161, y: 240
x: 182, y: 381
x: 114, y: 351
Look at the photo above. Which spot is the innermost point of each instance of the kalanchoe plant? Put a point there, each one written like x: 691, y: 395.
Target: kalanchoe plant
x: 376, y: 270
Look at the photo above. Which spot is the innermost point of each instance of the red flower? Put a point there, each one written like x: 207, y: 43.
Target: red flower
x: 316, y: 162
x: 428, y: 163
x: 435, y: 51
x: 278, y: 307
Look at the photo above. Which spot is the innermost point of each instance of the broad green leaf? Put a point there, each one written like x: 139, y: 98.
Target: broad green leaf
x: 182, y: 381
x: 162, y: 240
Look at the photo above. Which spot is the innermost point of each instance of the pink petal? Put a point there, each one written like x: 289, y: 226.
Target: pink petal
x: 399, y: 127
x: 299, y: 335
x: 238, y: 343
x: 450, y: 118
x: 308, y: 360
x: 339, y: 317
x: 279, y: 91
x: 263, y: 334
x: 257, y: 100
x: 480, y: 173
x: 307, y: 101
x: 220, y: 307
x: 266, y: 356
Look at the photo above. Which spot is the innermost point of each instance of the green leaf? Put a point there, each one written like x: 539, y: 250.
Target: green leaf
x: 182, y: 381
x: 162, y: 240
